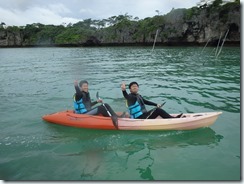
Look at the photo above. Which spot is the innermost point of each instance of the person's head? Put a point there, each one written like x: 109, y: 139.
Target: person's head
x: 83, y: 85
x: 134, y: 87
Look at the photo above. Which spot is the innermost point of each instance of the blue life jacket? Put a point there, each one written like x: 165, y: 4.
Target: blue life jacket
x: 79, y: 106
x: 137, y: 109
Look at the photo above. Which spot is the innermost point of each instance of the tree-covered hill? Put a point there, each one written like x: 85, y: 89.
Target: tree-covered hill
x: 196, y: 25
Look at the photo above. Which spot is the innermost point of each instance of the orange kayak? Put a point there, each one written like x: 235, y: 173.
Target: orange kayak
x: 189, y: 122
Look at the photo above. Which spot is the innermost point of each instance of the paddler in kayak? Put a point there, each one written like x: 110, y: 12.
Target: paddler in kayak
x: 136, y: 104
x: 83, y: 104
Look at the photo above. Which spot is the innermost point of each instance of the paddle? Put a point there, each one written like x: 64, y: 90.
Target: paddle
x: 155, y: 109
x: 114, y: 119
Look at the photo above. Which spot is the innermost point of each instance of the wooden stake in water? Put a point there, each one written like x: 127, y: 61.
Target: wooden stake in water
x: 222, y: 43
x: 155, y: 39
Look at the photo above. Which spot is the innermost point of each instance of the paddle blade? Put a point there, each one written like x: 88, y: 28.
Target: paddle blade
x: 115, y: 121
x: 97, y: 95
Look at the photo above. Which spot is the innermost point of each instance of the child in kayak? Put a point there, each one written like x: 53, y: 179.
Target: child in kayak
x: 136, y: 104
x: 83, y: 104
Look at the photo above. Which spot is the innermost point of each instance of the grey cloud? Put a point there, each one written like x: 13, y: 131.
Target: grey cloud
x: 21, y: 12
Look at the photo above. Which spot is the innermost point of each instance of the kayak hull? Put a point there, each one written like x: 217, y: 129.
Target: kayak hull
x: 191, y: 121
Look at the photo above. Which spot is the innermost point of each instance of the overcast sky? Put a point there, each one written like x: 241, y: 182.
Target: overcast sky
x: 22, y: 12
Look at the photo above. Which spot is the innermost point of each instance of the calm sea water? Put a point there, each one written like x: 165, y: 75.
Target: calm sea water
x: 38, y: 81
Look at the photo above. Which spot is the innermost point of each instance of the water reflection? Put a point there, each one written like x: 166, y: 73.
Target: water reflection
x: 146, y: 172
x: 204, y: 136
x: 117, y: 150
x: 180, y: 139
x: 92, y: 162
x: 144, y: 164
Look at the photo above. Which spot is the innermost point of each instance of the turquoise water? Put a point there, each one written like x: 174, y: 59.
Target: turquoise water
x: 38, y: 81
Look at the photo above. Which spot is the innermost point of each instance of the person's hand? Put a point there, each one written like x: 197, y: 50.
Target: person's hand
x: 99, y: 100
x: 123, y: 87
x: 159, y: 105
x: 76, y: 82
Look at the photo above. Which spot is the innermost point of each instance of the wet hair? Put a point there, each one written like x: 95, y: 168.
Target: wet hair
x: 132, y: 84
x: 83, y: 82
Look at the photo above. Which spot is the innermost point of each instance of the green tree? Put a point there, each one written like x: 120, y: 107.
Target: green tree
x: 73, y: 35
x: 48, y: 33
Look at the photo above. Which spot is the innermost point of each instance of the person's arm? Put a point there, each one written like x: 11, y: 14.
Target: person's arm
x: 147, y: 102
x: 94, y: 103
x: 123, y: 88
x: 131, y: 99
x: 78, y: 94
x: 125, y: 94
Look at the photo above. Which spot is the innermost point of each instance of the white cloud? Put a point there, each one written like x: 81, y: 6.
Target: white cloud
x: 22, y: 12
x: 58, y: 8
x: 140, y: 8
x: 146, y: 8
x: 16, y: 4
x: 48, y: 15
x: 12, y: 16
x: 86, y: 11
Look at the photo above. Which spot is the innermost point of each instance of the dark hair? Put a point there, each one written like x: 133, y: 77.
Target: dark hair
x: 82, y: 82
x: 132, y: 84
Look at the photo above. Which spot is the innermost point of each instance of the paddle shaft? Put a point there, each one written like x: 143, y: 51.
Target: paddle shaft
x: 98, y: 98
x: 106, y: 109
x: 114, y: 122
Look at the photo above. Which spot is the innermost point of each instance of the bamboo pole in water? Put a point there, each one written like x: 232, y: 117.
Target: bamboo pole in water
x: 155, y: 39
x: 218, y: 44
x: 222, y: 44
x: 206, y: 44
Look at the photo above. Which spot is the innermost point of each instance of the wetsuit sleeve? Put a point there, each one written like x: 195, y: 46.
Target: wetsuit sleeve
x: 78, y: 94
x: 130, y: 98
x: 147, y: 102
x: 94, y: 103
x: 125, y: 94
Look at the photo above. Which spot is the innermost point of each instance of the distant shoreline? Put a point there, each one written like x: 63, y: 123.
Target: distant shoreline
x: 171, y: 44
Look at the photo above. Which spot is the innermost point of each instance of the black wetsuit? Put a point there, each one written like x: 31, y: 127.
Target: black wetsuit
x: 152, y: 114
x: 102, y: 109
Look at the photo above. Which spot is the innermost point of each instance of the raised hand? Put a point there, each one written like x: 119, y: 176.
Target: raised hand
x: 123, y: 87
x: 76, y: 82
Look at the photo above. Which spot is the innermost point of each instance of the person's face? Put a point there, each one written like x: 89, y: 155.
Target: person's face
x: 84, y: 87
x: 134, y: 88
